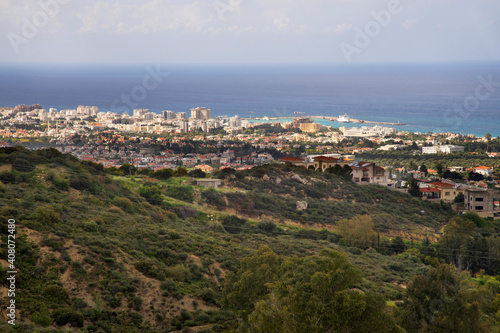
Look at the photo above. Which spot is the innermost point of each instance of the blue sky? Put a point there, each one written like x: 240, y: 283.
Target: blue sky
x: 249, y: 31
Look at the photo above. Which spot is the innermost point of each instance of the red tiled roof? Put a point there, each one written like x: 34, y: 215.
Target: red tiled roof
x: 291, y: 159
x: 326, y: 158
x: 429, y: 189
x: 442, y: 184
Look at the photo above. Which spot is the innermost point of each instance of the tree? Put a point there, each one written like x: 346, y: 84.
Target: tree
x: 439, y: 169
x: 454, y: 241
x: 243, y: 289
x: 423, y: 169
x: 163, y: 174
x: 197, y: 173
x: 460, y: 198
x: 233, y: 224
x: 487, y: 136
x: 314, y: 294
x: 358, y: 231
x: 413, y: 188
x: 180, y: 172
x: 474, y: 176
x: 127, y: 169
x: 152, y: 194
x: 434, y: 304
x: 398, y: 245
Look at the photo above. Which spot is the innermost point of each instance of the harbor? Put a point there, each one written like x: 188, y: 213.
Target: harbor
x: 336, y: 119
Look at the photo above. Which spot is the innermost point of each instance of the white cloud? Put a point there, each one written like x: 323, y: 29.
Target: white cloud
x: 339, y: 29
x: 279, y: 19
x: 409, y: 24
x: 152, y: 16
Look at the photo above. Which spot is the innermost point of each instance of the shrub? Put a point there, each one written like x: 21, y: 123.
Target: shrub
x: 208, y: 295
x: 124, y: 203
x: 233, y: 224
x: 42, y: 317
x: 213, y: 197
x: 22, y: 165
x: 46, y: 215
x: 184, y: 193
x: 163, y: 174
x: 266, y: 225
x: 61, y: 184
x: 7, y: 177
x: 55, y: 294
x: 184, y: 212
x: 197, y: 173
x: 65, y: 316
x: 148, y: 268
x: 152, y: 194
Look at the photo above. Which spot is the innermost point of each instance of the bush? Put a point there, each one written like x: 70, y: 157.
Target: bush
x: 61, y: 184
x: 65, y: 316
x: 124, y: 203
x: 163, y: 174
x: 42, y: 317
x: 185, y: 211
x: 23, y: 165
x: 233, y: 224
x: 7, y: 177
x: 152, y: 194
x: 46, y: 215
x: 213, y: 198
x: 55, y: 294
x: 197, y: 173
x: 208, y: 295
x: 148, y: 268
x: 266, y: 225
x: 184, y: 193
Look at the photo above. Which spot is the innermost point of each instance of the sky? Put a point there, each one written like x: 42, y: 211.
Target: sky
x: 249, y: 31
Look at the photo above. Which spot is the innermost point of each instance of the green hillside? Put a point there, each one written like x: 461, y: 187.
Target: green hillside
x: 97, y: 252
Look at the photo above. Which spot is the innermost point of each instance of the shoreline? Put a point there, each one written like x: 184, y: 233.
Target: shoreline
x: 353, y: 121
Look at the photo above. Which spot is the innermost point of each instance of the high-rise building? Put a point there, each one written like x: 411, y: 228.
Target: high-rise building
x: 184, y: 126
x: 139, y: 113
x: 168, y: 115
x: 235, y: 121
x: 200, y: 113
x: 87, y: 110
x: 181, y: 115
x: 149, y: 116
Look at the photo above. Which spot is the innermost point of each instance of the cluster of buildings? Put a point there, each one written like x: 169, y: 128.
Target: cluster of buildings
x: 362, y: 172
x: 443, y: 149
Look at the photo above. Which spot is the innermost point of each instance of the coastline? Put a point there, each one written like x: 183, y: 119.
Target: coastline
x: 353, y: 121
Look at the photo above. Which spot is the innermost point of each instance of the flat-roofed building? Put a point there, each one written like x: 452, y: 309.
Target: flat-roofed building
x: 486, y: 203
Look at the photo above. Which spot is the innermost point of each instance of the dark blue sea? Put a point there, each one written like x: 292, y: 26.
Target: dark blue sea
x: 437, y: 97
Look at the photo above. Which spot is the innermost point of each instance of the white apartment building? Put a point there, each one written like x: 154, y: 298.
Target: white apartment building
x: 446, y: 149
x: 367, y: 132
x: 200, y: 113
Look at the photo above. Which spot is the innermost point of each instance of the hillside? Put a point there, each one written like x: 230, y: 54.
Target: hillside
x: 135, y: 254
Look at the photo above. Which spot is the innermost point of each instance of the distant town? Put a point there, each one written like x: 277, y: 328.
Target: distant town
x: 147, y: 140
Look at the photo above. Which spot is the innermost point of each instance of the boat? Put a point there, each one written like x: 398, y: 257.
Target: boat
x: 344, y: 119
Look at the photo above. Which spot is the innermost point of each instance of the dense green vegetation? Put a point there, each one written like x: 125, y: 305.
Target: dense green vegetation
x: 106, y: 252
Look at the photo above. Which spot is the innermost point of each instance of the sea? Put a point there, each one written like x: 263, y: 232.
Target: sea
x: 426, y: 97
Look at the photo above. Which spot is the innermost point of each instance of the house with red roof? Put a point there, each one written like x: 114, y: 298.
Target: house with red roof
x: 483, y: 170
x: 324, y: 162
x: 292, y: 160
x: 430, y: 193
x: 448, y: 191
